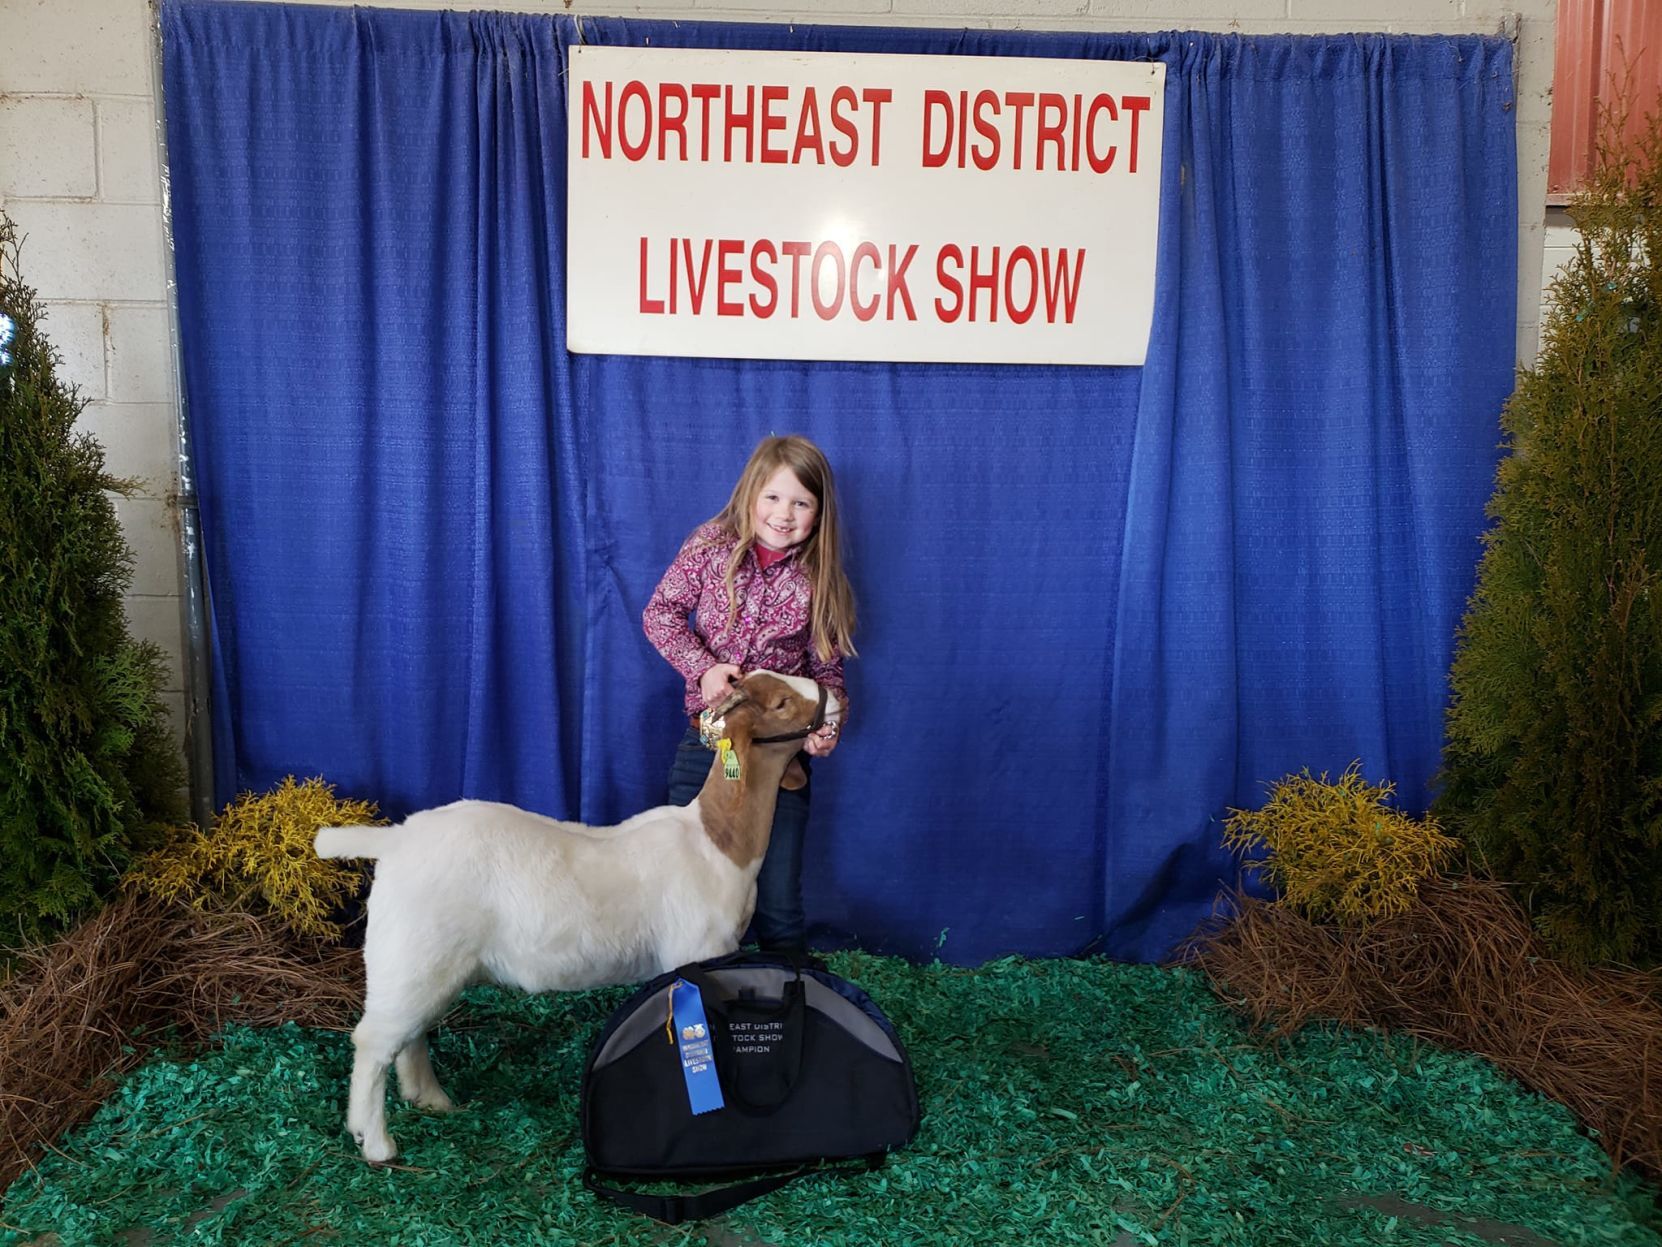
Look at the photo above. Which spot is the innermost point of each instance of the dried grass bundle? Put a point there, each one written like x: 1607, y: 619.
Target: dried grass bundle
x: 1462, y: 967
x: 76, y: 1013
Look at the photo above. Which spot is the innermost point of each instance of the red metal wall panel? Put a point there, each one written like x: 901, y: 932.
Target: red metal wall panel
x: 1606, y: 48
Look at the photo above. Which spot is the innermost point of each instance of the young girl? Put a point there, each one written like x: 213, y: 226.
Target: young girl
x: 761, y: 586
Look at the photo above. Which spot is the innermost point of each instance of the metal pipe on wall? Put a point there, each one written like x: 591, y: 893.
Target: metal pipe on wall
x: 193, y: 583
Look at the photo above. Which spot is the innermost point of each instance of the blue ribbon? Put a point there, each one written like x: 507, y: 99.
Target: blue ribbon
x: 698, y: 1055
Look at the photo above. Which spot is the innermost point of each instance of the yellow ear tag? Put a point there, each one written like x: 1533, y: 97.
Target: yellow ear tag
x: 729, y: 759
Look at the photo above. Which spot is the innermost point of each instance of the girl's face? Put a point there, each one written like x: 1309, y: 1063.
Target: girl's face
x: 785, y: 512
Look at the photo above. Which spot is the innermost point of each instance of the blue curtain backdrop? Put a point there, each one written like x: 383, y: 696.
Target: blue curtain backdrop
x: 1100, y: 605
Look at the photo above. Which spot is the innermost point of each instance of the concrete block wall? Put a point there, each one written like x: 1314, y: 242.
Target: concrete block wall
x: 79, y: 174
x: 1560, y: 238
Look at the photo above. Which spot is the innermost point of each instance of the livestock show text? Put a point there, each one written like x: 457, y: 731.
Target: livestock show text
x: 1042, y: 135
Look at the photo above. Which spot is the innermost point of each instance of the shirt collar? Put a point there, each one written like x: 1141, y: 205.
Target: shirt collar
x: 766, y: 558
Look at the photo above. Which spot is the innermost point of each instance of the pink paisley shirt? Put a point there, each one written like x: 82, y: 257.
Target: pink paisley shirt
x: 772, y: 628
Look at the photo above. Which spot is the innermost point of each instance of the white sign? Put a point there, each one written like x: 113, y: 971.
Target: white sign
x: 774, y: 205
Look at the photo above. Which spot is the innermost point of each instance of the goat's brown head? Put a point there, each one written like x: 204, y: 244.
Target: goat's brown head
x: 771, y: 711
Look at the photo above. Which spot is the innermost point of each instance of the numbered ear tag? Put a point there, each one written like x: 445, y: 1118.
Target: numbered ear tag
x: 698, y: 1057
x: 729, y: 759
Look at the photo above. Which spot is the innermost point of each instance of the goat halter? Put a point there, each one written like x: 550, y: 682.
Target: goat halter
x: 819, y: 722
x: 712, y: 723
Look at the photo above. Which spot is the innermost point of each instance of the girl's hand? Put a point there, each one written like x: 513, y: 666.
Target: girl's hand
x: 717, y: 682
x: 822, y: 742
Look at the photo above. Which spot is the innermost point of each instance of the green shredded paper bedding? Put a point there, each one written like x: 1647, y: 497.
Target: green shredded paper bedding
x: 1064, y: 1102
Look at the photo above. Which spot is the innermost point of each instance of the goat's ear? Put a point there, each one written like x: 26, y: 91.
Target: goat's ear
x: 795, y: 776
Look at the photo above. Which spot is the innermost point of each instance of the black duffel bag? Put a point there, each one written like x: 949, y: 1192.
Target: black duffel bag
x: 808, y: 1070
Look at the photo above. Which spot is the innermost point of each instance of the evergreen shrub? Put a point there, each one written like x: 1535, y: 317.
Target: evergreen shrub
x: 1552, y: 771
x: 259, y: 859
x: 1337, y: 851
x: 89, y: 772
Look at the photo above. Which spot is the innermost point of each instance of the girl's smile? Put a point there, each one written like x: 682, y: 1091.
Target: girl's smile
x: 785, y: 512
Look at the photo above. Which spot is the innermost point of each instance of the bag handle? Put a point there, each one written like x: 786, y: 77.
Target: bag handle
x: 675, y: 1209
x: 794, y: 1011
x: 794, y: 959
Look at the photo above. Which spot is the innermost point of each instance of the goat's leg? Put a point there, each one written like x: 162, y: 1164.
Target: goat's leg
x: 399, y: 1009
x: 366, y: 1107
x: 408, y: 985
x: 416, y: 1081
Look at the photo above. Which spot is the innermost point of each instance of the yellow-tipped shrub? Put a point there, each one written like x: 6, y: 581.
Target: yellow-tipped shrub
x: 1336, y: 851
x: 259, y: 858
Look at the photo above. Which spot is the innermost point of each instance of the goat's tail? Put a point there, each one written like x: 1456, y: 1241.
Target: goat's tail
x: 352, y: 841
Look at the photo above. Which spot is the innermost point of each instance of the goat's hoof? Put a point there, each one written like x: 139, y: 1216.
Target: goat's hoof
x: 434, y: 1101
x: 378, y: 1151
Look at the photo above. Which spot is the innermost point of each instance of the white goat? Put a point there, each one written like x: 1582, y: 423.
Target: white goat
x: 477, y: 891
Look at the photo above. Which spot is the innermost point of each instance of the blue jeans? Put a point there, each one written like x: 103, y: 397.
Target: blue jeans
x: 779, y: 922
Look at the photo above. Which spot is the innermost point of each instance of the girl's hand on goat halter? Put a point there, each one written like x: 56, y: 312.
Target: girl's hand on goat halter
x: 716, y: 683
x: 822, y: 742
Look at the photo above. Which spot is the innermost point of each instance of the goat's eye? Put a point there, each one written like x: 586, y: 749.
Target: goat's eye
x: 781, y: 703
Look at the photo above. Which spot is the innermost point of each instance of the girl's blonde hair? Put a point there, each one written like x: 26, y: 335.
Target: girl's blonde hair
x: 820, y: 555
